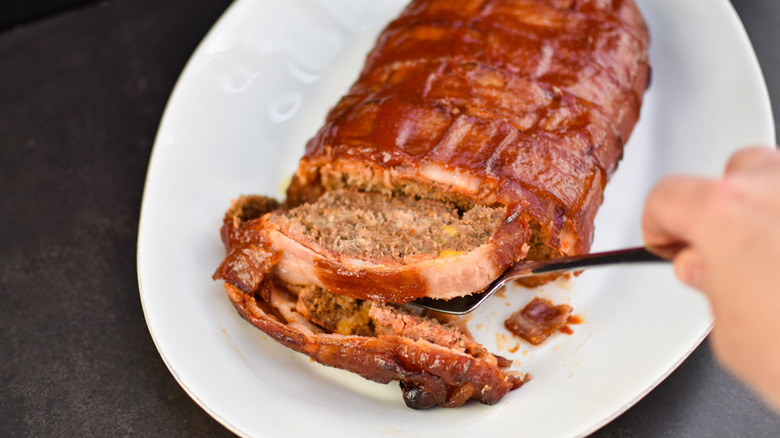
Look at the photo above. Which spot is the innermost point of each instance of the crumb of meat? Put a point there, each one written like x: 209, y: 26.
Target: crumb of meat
x: 380, y: 227
x: 538, y: 320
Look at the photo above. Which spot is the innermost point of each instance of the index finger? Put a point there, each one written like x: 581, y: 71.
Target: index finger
x: 753, y: 159
x: 672, y: 210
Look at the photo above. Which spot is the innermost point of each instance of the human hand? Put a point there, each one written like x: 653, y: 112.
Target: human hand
x: 731, y: 227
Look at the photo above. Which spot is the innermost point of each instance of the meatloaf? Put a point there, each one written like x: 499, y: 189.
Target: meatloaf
x: 479, y: 133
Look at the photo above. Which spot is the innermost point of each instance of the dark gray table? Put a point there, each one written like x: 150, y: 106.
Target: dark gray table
x: 82, y: 88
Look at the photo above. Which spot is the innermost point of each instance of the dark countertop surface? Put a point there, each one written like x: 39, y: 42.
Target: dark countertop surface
x: 82, y: 88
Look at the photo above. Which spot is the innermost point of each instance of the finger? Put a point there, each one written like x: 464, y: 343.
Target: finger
x: 688, y: 267
x: 672, y: 209
x: 753, y: 177
x: 753, y: 159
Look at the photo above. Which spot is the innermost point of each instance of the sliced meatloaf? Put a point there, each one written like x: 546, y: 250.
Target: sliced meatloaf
x: 435, y: 363
x: 479, y: 133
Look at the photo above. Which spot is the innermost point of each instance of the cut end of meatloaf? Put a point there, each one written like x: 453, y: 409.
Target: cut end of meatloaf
x: 372, y: 246
x: 335, y: 313
x: 417, y: 345
x: 379, y: 227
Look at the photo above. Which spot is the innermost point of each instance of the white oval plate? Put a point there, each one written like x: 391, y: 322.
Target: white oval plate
x: 259, y: 86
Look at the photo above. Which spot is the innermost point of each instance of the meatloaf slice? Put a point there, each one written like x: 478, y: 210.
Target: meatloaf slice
x: 436, y: 363
x: 371, y: 246
x: 392, y: 248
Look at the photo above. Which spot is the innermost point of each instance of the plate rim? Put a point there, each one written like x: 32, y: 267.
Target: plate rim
x: 183, y: 77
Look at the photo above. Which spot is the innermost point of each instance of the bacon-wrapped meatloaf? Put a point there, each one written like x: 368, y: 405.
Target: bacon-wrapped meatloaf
x: 479, y: 133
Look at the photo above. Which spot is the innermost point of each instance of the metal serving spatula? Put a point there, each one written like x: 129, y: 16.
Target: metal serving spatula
x: 463, y: 305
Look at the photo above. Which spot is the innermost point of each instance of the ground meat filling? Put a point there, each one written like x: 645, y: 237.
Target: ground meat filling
x: 335, y: 313
x: 349, y: 316
x: 378, y: 227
